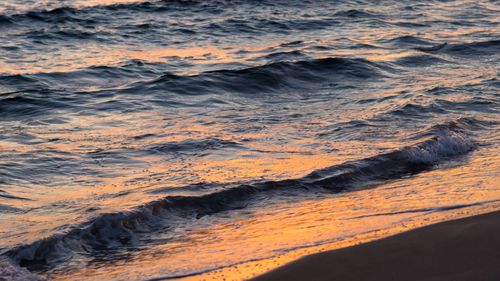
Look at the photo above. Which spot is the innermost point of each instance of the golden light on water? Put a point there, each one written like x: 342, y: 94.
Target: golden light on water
x: 97, y: 55
x: 351, y: 218
x: 130, y: 170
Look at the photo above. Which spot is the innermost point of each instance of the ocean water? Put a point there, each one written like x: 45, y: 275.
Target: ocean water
x: 150, y: 140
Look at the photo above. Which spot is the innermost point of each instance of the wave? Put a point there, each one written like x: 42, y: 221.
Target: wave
x: 417, y: 110
x: 283, y: 56
x: 442, y: 106
x: 9, y: 271
x: 64, y: 34
x: 116, y: 230
x: 8, y: 209
x: 193, y: 146
x: 20, y: 81
x: 407, y: 41
x: 41, y: 93
x: 5, y: 20
x: 87, y: 14
x: 296, y: 75
x: 94, y: 76
x: 54, y: 16
x: 29, y: 95
x: 481, y: 48
x: 69, y: 22
x: 420, y: 61
x: 6, y: 195
x: 353, y: 13
x: 58, y: 15
x: 19, y: 106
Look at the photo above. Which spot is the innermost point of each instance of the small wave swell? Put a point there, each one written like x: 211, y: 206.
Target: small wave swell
x: 90, y: 14
x: 472, y: 49
x: 266, y: 78
x: 193, y: 146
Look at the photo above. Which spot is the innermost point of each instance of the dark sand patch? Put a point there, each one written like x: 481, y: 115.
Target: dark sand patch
x: 464, y: 249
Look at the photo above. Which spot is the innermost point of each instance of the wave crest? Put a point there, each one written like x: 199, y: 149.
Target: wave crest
x: 271, y: 77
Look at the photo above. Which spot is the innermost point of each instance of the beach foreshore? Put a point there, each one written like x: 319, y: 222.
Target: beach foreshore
x: 462, y: 249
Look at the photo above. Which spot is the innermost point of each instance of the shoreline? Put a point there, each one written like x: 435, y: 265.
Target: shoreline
x: 461, y: 249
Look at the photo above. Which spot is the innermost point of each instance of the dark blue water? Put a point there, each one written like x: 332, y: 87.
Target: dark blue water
x: 123, y: 124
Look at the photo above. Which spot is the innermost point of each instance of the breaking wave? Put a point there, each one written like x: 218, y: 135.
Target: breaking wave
x: 115, y: 230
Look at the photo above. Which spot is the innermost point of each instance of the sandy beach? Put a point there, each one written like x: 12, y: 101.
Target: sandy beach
x: 463, y: 249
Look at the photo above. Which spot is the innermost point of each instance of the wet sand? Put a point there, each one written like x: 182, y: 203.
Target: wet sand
x: 463, y: 249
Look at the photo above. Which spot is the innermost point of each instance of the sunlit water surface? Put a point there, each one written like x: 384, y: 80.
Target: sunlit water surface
x: 162, y: 139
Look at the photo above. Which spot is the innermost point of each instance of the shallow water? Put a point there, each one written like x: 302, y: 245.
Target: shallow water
x: 203, y: 134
